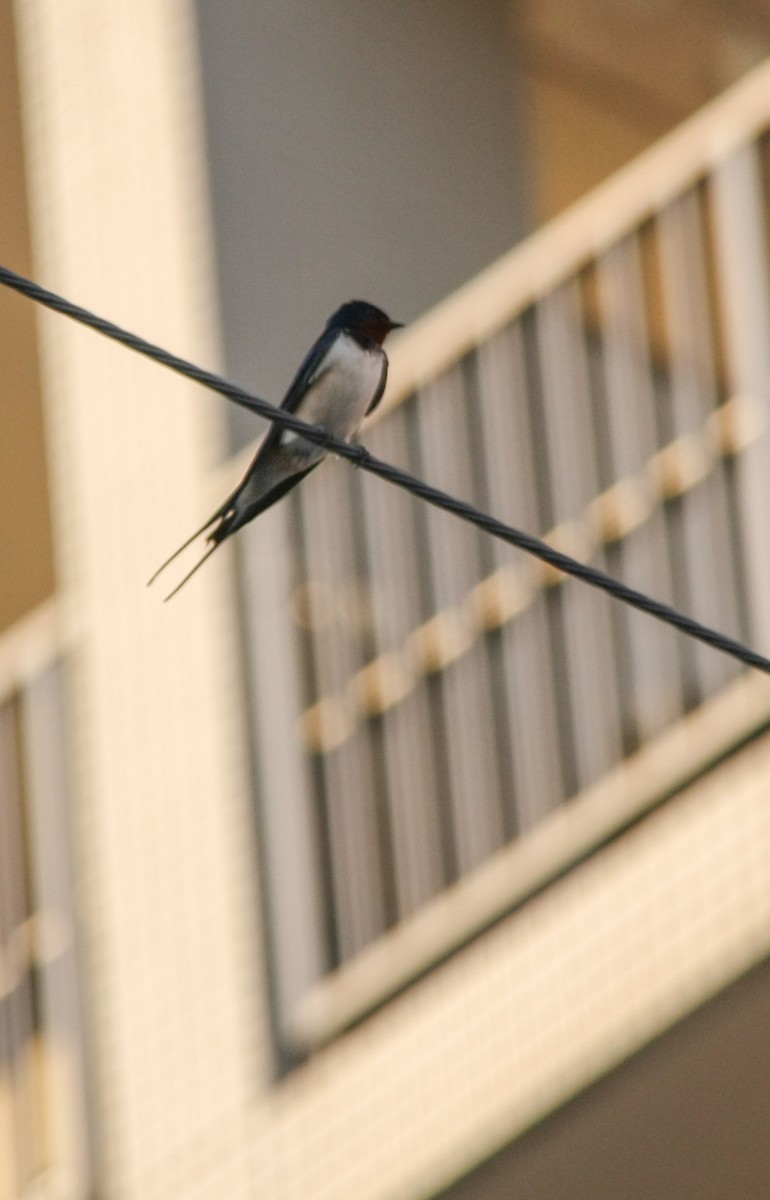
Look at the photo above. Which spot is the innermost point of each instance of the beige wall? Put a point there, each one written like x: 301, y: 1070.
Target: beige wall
x: 687, y: 1117
x: 354, y: 149
x: 602, y: 79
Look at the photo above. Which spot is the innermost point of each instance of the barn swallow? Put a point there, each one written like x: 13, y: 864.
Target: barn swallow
x: 340, y: 381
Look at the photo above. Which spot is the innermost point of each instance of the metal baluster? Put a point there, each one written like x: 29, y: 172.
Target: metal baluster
x: 525, y: 649
x: 9, y: 1184
x: 17, y: 1011
x: 48, y: 825
x: 651, y: 694
x: 455, y: 566
x: 359, y: 869
x: 703, y: 527
x: 298, y: 944
x: 739, y: 206
x: 394, y: 570
x: 589, y: 678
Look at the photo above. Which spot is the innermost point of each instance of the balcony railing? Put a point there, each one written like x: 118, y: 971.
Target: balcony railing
x: 459, y: 705
x: 42, y: 1115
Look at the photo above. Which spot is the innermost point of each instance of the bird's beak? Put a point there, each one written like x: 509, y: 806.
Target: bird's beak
x: 396, y: 324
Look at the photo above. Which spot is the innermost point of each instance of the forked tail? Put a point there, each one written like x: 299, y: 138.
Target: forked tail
x: 220, y: 515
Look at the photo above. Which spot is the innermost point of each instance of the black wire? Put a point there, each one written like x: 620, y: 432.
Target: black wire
x: 362, y: 458
x: 167, y: 359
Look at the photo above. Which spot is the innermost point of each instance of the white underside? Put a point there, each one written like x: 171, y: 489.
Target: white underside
x: 341, y: 390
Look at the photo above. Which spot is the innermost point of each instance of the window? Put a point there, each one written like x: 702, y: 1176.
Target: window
x: 42, y: 1104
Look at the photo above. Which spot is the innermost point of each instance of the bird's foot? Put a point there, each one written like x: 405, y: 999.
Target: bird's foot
x: 359, y: 455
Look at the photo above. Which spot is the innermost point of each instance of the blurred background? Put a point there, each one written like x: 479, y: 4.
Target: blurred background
x: 384, y: 862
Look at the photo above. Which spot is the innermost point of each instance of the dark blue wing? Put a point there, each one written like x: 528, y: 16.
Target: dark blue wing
x: 308, y: 368
x: 298, y: 387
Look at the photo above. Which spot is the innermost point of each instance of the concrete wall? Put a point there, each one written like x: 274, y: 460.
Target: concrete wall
x: 26, y: 576
x: 356, y: 149
x: 685, y: 1117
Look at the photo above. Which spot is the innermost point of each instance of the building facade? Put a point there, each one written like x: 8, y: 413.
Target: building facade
x: 384, y: 861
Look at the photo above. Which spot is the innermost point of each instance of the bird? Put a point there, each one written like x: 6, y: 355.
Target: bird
x: 339, y: 382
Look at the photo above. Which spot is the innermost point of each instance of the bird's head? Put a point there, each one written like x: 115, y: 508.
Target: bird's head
x: 363, y: 320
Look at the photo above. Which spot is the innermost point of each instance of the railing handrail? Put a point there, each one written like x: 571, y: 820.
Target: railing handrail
x: 481, y: 307
x: 30, y: 645
x: 538, y: 264
x: 522, y: 867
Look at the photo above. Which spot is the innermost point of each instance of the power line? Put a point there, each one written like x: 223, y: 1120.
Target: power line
x: 361, y: 457
x: 167, y: 359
